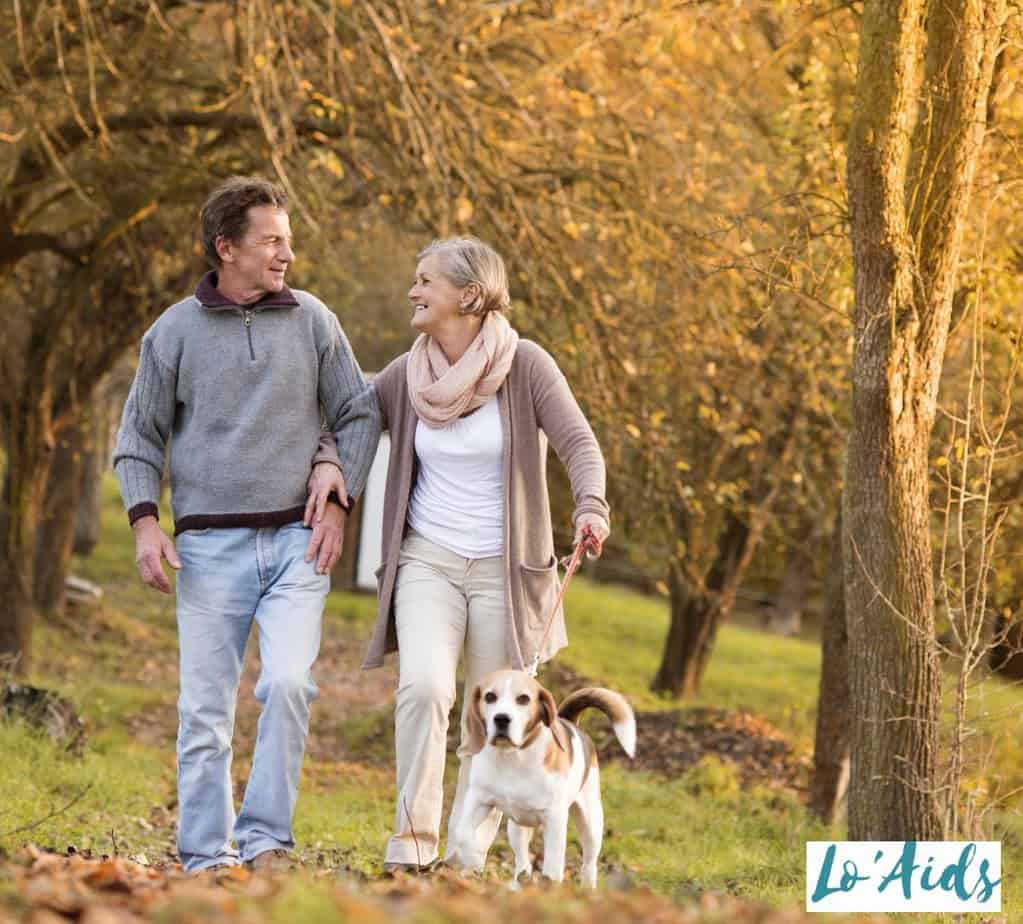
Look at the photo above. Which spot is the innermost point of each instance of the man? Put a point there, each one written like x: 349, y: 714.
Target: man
x: 237, y: 378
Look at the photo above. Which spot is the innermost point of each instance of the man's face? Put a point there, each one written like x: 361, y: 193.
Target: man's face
x: 257, y: 263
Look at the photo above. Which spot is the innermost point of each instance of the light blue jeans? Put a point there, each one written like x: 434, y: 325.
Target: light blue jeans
x: 228, y: 578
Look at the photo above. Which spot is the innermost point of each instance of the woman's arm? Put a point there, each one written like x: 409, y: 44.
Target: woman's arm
x: 569, y: 433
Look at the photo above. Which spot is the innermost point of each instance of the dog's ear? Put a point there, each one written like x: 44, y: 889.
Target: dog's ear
x: 549, y: 708
x: 475, y: 727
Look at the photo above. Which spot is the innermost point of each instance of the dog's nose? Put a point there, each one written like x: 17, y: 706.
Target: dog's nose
x: 501, y: 720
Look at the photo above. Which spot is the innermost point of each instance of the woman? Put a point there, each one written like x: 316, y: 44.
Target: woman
x: 468, y: 549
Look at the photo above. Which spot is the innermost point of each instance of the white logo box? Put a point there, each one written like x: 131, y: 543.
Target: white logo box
x: 947, y: 876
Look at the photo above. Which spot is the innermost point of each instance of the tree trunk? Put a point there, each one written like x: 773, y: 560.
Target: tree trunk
x: 909, y: 174
x: 831, y: 742
x: 28, y: 460
x: 697, y: 614
x: 56, y: 533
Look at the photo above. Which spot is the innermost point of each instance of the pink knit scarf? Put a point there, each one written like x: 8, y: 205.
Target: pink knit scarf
x: 441, y: 392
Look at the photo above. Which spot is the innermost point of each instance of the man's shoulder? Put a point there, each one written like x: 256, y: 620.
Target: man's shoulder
x: 174, y: 321
x: 309, y: 302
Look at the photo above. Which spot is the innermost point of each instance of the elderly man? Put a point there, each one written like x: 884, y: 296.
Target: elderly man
x: 238, y: 379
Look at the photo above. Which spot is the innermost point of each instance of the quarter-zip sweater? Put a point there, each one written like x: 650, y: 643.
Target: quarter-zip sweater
x: 239, y: 392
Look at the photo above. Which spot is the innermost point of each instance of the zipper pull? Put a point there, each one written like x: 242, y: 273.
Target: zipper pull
x: 248, y: 319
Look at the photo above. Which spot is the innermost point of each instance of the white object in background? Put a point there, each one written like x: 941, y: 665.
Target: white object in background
x: 371, y: 531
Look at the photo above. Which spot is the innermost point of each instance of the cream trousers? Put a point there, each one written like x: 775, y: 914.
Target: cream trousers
x: 443, y: 604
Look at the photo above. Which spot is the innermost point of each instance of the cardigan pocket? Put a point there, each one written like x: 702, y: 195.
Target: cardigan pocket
x: 539, y: 590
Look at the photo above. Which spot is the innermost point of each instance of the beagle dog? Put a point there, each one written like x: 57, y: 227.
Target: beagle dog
x: 532, y: 763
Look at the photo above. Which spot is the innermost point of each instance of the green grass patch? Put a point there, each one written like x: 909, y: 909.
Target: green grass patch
x: 617, y: 635
x: 104, y: 798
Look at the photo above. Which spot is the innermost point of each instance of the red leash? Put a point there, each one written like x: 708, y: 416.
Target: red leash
x: 587, y: 542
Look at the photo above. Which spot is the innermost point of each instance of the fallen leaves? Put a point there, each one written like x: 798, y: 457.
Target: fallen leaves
x: 52, y: 889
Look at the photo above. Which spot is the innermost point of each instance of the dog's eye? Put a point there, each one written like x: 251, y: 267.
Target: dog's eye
x: 522, y: 699
x: 490, y: 697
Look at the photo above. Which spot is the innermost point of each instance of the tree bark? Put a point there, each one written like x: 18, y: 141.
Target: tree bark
x: 910, y: 170
x: 831, y: 742
x: 28, y: 460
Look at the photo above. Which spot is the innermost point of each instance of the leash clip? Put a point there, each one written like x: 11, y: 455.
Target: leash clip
x: 535, y: 666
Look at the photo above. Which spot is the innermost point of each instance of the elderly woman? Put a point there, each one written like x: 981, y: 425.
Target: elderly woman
x: 468, y: 549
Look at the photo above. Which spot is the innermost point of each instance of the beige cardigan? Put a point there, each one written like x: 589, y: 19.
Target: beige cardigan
x: 536, y: 405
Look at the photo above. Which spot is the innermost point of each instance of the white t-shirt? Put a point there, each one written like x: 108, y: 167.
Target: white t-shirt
x: 458, y: 499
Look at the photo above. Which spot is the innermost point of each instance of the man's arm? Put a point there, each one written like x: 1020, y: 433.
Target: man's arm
x: 138, y: 461
x: 351, y: 410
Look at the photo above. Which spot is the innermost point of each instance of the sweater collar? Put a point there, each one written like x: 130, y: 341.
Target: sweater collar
x: 210, y: 297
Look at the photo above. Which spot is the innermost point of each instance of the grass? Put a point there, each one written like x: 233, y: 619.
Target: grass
x: 113, y: 788
x: 682, y: 837
x: 616, y: 635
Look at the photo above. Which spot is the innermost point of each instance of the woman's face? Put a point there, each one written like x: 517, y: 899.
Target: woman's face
x: 436, y: 300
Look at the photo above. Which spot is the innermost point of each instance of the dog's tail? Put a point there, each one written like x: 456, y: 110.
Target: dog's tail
x: 612, y: 704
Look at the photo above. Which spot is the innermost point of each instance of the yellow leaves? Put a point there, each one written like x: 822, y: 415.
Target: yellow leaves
x: 334, y: 165
x: 682, y: 465
x: 578, y: 272
x: 630, y: 367
x: 583, y: 104
x: 327, y: 159
x: 633, y: 431
x: 259, y: 61
x: 662, y: 588
x: 571, y: 229
x: 708, y: 414
x: 657, y: 418
x: 463, y: 210
x: 385, y: 198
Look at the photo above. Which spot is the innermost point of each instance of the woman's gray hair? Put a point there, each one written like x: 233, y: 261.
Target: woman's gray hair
x: 468, y: 260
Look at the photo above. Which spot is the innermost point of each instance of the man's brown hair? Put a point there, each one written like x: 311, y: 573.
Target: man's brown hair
x: 226, y: 212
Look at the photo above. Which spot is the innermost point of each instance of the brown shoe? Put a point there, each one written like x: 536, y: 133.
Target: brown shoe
x: 272, y: 862
x: 217, y: 872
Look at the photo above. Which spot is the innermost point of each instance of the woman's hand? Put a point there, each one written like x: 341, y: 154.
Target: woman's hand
x: 326, y: 477
x: 599, y: 531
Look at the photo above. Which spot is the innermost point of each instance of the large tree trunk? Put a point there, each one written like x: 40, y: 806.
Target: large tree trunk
x: 831, y: 742
x: 28, y: 460
x: 697, y: 614
x: 909, y: 175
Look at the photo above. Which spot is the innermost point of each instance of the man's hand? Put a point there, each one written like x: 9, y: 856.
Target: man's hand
x: 325, y: 478
x: 598, y: 527
x: 328, y: 538
x: 152, y: 545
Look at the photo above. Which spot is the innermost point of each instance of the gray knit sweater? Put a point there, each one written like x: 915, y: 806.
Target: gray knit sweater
x: 239, y: 393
